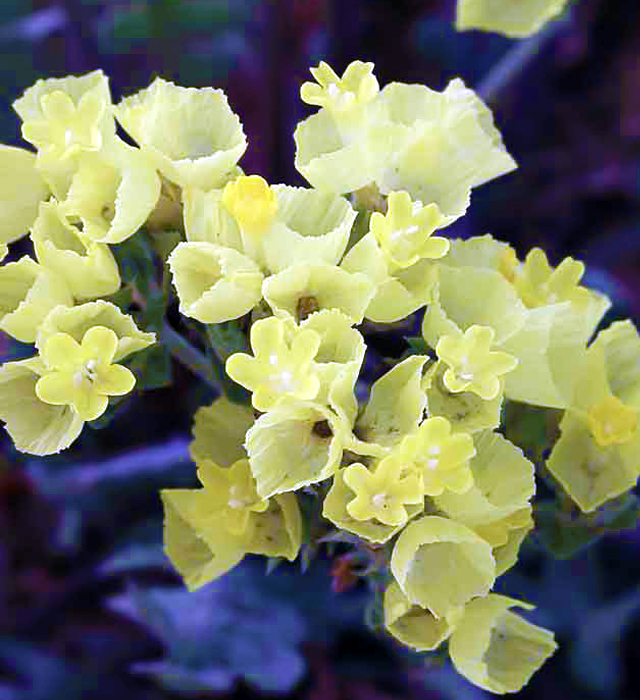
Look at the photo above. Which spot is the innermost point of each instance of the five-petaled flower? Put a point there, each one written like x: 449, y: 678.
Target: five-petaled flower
x: 82, y: 375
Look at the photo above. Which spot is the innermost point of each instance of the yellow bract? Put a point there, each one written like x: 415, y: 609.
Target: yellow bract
x: 513, y: 18
x: 82, y: 375
x: 495, y: 648
x: 440, y: 564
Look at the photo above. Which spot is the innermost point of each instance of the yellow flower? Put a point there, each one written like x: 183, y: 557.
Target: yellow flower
x: 513, y: 18
x: 465, y: 410
x: 89, y: 268
x: 35, y: 427
x: 112, y: 194
x: 335, y: 509
x: 295, y: 444
x: 472, y: 366
x: 396, y: 404
x: 190, y: 134
x: 441, y: 458
x: 398, y: 291
x: 413, y: 625
x: 495, y: 648
x: 281, y: 366
x: 232, y: 494
x: 22, y: 190
x: 440, y: 564
x: 503, y: 483
x: 77, y: 320
x: 253, y: 203
x: 303, y: 289
x: 538, y: 283
x: 214, y: 283
x: 611, y: 422
x: 382, y: 493
x: 82, y: 375
x: 219, y: 430
x: 28, y: 292
x: 63, y: 117
x: 357, y: 86
x: 404, y: 232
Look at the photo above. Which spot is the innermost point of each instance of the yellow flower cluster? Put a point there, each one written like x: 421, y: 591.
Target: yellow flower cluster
x: 418, y: 468
x: 82, y: 189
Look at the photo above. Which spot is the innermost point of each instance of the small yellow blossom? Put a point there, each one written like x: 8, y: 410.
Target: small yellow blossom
x: 382, y: 493
x: 538, y: 283
x: 35, y: 427
x: 295, y: 444
x: 442, y: 458
x: 611, y: 422
x: 252, y: 202
x: 89, y: 268
x: 404, y: 232
x: 232, y: 493
x: 472, y: 366
x: 82, y: 375
x: 281, y: 365
x: 64, y: 117
x: 357, y: 86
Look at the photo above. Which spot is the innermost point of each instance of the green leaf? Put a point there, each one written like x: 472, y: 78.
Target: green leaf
x: 417, y: 345
x: 225, y: 339
x: 152, y: 367
x: 564, y: 533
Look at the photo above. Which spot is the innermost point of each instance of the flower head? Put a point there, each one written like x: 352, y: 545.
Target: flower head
x: 82, y: 375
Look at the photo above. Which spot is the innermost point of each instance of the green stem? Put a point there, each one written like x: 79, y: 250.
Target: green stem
x: 189, y: 356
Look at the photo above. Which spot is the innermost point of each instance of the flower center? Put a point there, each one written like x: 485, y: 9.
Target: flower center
x: 86, y: 372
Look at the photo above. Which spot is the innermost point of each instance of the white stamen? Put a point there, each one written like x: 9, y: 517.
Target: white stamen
x: 77, y: 379
x: 333, y: 90
x: 434, y: 450
x: 273, y: 359
x: 236, y: 503
x: 379, y: 500
x: 68, y: 137
x: 432, y: 463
